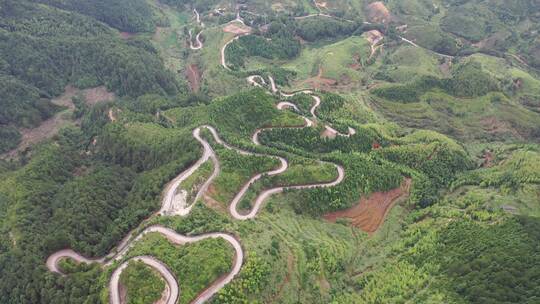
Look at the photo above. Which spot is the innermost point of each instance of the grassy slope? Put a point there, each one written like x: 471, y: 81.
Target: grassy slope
x: 334, y: 59
x: 494, y: 116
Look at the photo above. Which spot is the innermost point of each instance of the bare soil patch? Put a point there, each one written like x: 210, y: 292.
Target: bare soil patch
x: 378, y: 13
x: 97, y: 95
x: 50, y: 127
x: 209, y: 198
x: 445, y: 67
x: 91, y: 96
x: 345, y: 79
x: 65, y: 99
x: 236, y: 29
x: 370, y: 212
x: 321, y: 4
x: 487, y: 159
x: 194, y: 77
x: 214, y: 204
x: 328, y: 133
x: 374, y: 37
x: 123, y: 293
x: 112, y: 116
x: 492, y: 41
x: 277, y: 6
x: 318, y: 82
x: 126, y: 35
x: 357, y: 65
x: 160, y: 32
x: 290, y: 268
x: 492, y: 125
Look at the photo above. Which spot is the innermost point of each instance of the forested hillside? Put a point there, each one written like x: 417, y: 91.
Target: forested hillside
x: 125, y: 15
x: 43, y: 49
x: 339, y: 151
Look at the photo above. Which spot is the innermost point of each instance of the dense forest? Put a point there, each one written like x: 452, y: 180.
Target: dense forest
x: 125, y: 15
x: 43, y: 49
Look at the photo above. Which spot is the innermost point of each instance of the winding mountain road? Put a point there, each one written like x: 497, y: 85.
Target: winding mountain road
x: 223, y: 60
x: 173, y: 204
x: 166, y: 274
x: 317, y: 102
x: 170, y: 205
x: 198, y: 43
x: 198, y: 17
x: 173, y: 237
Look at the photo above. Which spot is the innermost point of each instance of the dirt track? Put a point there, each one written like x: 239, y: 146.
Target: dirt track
x: 194, y: 77
x: 421, y: 47
x: 198, y: 43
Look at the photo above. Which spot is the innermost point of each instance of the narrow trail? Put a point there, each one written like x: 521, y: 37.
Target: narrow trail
x: 421, y: 47
x: 111, y: 115
x: 198, y: 17
x: 198, y: 43
x: 224, y: 47
x: 320, y: 14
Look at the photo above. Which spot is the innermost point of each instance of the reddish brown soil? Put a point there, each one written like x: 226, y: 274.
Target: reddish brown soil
x: 236, y: 29
x: 123, y: 293
x: 357, y: 65
x: 320, y: 83
x: 370, y: 212
x: 493, y: 125
x: 160, y: 32
x: 214, y: 204
x: 97, y: 95
x: 194, y: 77
x: 446, y: 66
x: 374, y: 37
x: 488, y: 159
x: 126, y: 35
x: 378, y: 13
x: 290, y: 266
x: 211, y: 202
